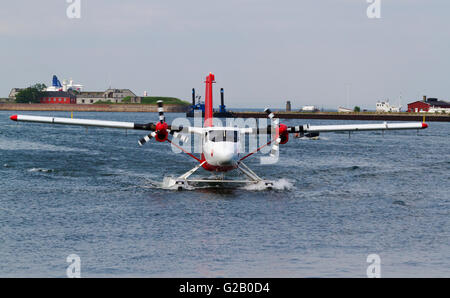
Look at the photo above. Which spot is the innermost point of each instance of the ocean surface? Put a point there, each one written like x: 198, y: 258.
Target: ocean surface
x: 95, y: 193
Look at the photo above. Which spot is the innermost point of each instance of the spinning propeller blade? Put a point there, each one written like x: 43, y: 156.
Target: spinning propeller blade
x: 275, y: 122
x: 162, y: 118
x: 146, y: 139
x: 179, y: 136
x: 161, y: 130
x: 275, y: 147
x: 269, y: 113
x: 156, y: 129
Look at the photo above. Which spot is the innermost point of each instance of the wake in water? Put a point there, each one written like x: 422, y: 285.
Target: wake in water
x: 40, y: 170
x: 313, y: 139
x: 166, y: 184
x: 280, y: 184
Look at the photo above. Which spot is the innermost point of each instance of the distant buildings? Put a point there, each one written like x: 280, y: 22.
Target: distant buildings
x: 85, y: 97
x: 70, y: 93
x: 430, y: 105
x: 112, y: 95
x: 59, y: 97
x: 13, y: 93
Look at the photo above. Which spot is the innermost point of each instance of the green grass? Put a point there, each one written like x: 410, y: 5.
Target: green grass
x: 166, y: 100
x: 152, y: 100
x: 101, y: 102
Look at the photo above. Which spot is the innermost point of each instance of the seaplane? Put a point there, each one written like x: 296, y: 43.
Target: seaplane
x: 220, y: 146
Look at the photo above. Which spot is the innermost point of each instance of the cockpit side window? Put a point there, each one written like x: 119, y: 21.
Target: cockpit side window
x: 231, y: 136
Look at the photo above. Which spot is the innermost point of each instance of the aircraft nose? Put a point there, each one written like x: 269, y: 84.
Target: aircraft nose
x: 225, y: 158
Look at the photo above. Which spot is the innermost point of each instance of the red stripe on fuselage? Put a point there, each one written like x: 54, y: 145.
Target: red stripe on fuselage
x: 212, y: 168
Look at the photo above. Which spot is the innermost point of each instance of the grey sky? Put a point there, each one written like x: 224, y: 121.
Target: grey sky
x: 262, y: 52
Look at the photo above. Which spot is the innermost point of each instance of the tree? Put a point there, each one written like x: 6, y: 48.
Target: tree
x: 357, y: 109
x: 31, y: 94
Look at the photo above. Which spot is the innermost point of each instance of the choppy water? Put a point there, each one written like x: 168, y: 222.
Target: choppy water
x: 67, y: 191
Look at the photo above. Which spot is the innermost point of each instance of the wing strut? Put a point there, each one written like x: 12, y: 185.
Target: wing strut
x: 257, y: 150
x: 190, y: 154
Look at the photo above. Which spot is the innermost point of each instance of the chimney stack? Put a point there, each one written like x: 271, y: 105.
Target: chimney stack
x: 288, y: 106
x: 425, y: 98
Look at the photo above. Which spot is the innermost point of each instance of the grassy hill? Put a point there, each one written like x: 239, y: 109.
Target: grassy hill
x: 154, y: 99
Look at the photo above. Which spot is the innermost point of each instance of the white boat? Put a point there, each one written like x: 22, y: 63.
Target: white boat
x: 69, y: 85
x: 385, y: 107
x: 344, y: 110
x: 309, y: 109
x: 65, y: 86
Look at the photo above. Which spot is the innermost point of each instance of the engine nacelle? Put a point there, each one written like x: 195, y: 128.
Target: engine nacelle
x: 284, y: 135
x: 161, y: 131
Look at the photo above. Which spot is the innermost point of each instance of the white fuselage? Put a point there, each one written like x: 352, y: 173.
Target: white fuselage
x: 221, y: 146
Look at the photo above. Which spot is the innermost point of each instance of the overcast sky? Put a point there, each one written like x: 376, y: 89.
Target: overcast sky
x: 263, y: 52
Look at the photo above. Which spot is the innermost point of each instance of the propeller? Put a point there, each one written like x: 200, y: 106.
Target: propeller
x: 162, y: 118
x: 175, y: 133
x: 147, y: 138
x: 161, y: 130
x: 275, y: 124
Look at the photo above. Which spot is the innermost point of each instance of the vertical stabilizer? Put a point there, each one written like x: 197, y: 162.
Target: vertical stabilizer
x: 209, y: 101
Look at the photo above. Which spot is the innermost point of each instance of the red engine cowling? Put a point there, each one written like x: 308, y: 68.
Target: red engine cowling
x: 161, y: 131
x: 284, y: 135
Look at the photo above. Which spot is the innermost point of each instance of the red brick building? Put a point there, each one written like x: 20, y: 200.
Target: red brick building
x: 59, y: 97
x: 425, y: 105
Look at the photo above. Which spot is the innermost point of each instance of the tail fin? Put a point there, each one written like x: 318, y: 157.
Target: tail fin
x: 56, y: 82
x: 209, y: 101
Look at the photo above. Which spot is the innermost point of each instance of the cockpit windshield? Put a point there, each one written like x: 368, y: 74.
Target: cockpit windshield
x: 223, y: 136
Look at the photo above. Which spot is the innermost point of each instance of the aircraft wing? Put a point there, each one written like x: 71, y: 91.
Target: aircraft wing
x: 356, y: 127
x: 307, y: 128
x: 83, y: 122
x: 103, y: 123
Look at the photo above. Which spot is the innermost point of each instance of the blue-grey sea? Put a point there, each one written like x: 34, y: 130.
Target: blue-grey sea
x: 67, y: 190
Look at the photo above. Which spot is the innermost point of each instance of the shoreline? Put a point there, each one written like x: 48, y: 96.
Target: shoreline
x: 349, y: 116
x: 171, y: 108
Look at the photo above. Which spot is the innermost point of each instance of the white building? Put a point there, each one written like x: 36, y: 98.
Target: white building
x: 439, y: 110
x: 111, y: 95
